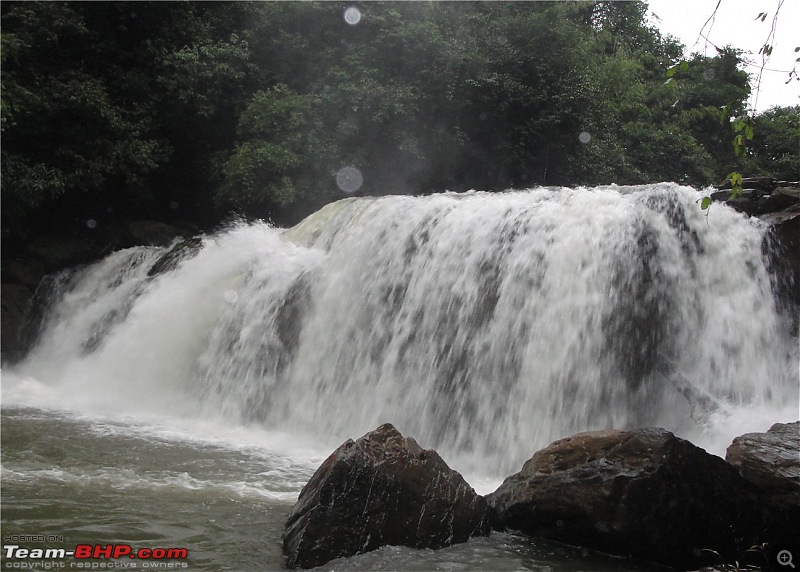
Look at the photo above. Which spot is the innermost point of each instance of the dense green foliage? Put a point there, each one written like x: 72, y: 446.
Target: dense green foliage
x: 775, y: 148
x: 179, y: 110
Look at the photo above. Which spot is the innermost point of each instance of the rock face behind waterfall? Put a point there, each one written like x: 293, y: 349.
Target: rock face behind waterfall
x: 382, y: 489
x: 642, y: 493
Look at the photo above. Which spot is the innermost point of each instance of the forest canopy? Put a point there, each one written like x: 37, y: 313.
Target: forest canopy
x: 195, y: 110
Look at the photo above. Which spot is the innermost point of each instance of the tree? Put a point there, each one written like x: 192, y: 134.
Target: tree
x: 63, y: 131
x: 259, y: 173
x: 117, y: 108
x: 774, y: 150
x: 189, y: 109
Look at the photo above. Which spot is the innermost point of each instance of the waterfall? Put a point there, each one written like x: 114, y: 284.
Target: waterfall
x: 483, y: 324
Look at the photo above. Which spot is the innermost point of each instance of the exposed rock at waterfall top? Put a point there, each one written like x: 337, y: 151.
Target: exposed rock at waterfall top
x: 642, y: 493
x: 178, y: 253
x: 383, y: 489
x: 770, y: 460
x: 762, y: 195
x: 785, y: 264
x: 154, y: 233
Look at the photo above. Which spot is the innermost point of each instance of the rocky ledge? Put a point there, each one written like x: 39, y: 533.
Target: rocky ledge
x: 643, y: 493
x: 762, y: 195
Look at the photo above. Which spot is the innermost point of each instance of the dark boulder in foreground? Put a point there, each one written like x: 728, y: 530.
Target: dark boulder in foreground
x: 770, y: 460
x: 383, y: 489
x: 642, y: 493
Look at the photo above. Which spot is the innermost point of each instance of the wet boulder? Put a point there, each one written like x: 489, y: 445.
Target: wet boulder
x: 382, y: 489
x: 642, y: 493
x: 770, y: 460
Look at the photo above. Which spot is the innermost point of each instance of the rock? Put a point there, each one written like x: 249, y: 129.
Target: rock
x: 289, y: 318
x: 776, y: 203
x: 763, y: 184
x: 781, y: 198
x: 177, y: 254
x: 761, y: 196
x: 744, y: 198
x: 770, y: 460
x: 382, y: 489
x: 642, y: 493
x: 15, y: 303
x: 57, y: 252
x: 154, y: 233
x: 26, y: 273
x: 783, y: 247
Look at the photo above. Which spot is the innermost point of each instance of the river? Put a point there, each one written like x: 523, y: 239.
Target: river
x: 183, y: 402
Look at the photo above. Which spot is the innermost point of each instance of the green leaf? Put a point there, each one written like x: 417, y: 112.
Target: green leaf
x: 705, y: 203
x: 736, y: 185
x: 739, y: 148
x: 683, y: 65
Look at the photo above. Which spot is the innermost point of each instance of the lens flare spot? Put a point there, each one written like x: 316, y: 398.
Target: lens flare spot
x: 230, y: 297
x: 91, y: 223
x: 352, y: 15
x: 584, y: 137
x: 349, y: 179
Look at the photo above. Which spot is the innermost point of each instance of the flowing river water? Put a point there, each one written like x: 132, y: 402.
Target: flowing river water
x: 183, y: 400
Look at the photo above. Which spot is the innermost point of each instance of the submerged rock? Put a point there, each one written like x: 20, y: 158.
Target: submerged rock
x: 383, y: 489
x: 642, y: 493
x: 770, y: 460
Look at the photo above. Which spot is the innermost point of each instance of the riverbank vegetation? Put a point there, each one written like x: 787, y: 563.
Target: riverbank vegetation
x: 191, y: 111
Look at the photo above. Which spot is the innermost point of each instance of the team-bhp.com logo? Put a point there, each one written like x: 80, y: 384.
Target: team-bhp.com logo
x: 93, y: 556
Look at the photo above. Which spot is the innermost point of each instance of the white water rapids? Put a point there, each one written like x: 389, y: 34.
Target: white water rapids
x: 483, y: 325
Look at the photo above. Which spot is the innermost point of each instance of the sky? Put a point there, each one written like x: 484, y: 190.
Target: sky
x: 735, y: 24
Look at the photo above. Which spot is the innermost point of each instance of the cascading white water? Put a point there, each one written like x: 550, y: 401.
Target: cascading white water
x: 485, y: 325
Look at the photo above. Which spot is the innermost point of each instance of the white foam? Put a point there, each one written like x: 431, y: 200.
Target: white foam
x: 484, y: 325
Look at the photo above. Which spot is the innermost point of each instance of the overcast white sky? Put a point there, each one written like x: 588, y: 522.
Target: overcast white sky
x: 735, y: 25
